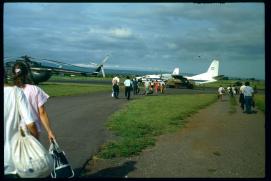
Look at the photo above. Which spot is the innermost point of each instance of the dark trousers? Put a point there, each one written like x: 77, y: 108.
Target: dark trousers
x: 116, y: 94
x: 135, y: 90
x: 242, y: 101
x: 116, y: 91
x: 127, y: 92
x: 248, y: 103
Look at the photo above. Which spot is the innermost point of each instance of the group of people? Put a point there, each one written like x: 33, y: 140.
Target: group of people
x: 154, y: 86
x: 246, y: 93
x: 232, y: 90
x: 129, y: 85
x: 27, y: 101
x: 133, y: 85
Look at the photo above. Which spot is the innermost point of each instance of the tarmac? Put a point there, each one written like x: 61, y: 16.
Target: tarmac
x: 214, y: 143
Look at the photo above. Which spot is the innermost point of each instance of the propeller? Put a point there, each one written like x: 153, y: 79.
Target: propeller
x: 102, y: 67
x: 26, y: 57
x: 8, y: 58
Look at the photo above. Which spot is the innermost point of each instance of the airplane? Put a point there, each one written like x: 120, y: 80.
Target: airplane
x: 211, y: 75
x: 187, y: 81
x: 158, y: 77
x: 39, y: 71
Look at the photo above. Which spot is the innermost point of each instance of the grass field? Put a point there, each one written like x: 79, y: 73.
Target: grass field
x: 226, y: 83
x: 62, y: 89
x: 137, y: 124
x: 260, y: 101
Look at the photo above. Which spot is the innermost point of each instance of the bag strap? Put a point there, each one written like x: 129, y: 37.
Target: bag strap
x: 55, y: 145
x: 23, y: 133
x: 17, y: 107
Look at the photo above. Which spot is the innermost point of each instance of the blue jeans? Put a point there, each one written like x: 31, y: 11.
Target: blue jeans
x: 248, y: 101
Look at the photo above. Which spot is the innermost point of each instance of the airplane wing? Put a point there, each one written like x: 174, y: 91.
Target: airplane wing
x: 180, y: 77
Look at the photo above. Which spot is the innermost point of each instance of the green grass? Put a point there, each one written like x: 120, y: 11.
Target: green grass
x: 226, y: 83
x: 137, y: 124
x: 62, y: 89
x: 260, y: 101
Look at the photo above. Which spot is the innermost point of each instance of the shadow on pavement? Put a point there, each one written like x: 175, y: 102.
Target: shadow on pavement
x: 120, y: 171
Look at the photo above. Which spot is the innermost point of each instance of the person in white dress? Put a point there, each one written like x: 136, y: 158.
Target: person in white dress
x: 12, y: 94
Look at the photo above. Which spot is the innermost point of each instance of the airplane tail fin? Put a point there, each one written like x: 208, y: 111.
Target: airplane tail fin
x: 176, y: 71
x: 213, y: 68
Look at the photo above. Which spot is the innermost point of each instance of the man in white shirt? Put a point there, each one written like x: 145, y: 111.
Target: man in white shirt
x: 248, y: 93
x: 221, y: 91
x: 127, y: 84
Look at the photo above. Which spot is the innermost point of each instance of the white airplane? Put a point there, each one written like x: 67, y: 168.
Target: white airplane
x: 207, y: 77
x: 210, y: 76
x: 159, y: 77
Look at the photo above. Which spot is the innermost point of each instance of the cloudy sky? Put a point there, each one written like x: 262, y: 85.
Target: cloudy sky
x: 157, y: 36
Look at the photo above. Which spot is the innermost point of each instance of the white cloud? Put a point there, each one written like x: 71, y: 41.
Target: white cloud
x: 171, y: 45
x: 121, y: 32
x: 108, y: 34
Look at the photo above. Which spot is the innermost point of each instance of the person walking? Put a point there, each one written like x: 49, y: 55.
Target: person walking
x: 156, y: 86
x: 248, y: 93
x: 221, y: 91
x: 241, y: 97
x: 127, y: 84
x: 147, y: 87
x: 135, y: 86
x: 115, y: 87
x: 12, y: 96
x: 162, y: 87
x: 116, y: 90
x: 36, y: 97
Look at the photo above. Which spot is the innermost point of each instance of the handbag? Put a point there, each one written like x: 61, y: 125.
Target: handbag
x: 62, y: 168
x: 30, y: 158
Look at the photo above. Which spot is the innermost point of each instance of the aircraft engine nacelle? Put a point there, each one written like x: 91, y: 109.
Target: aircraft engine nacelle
x: 38, y: 77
